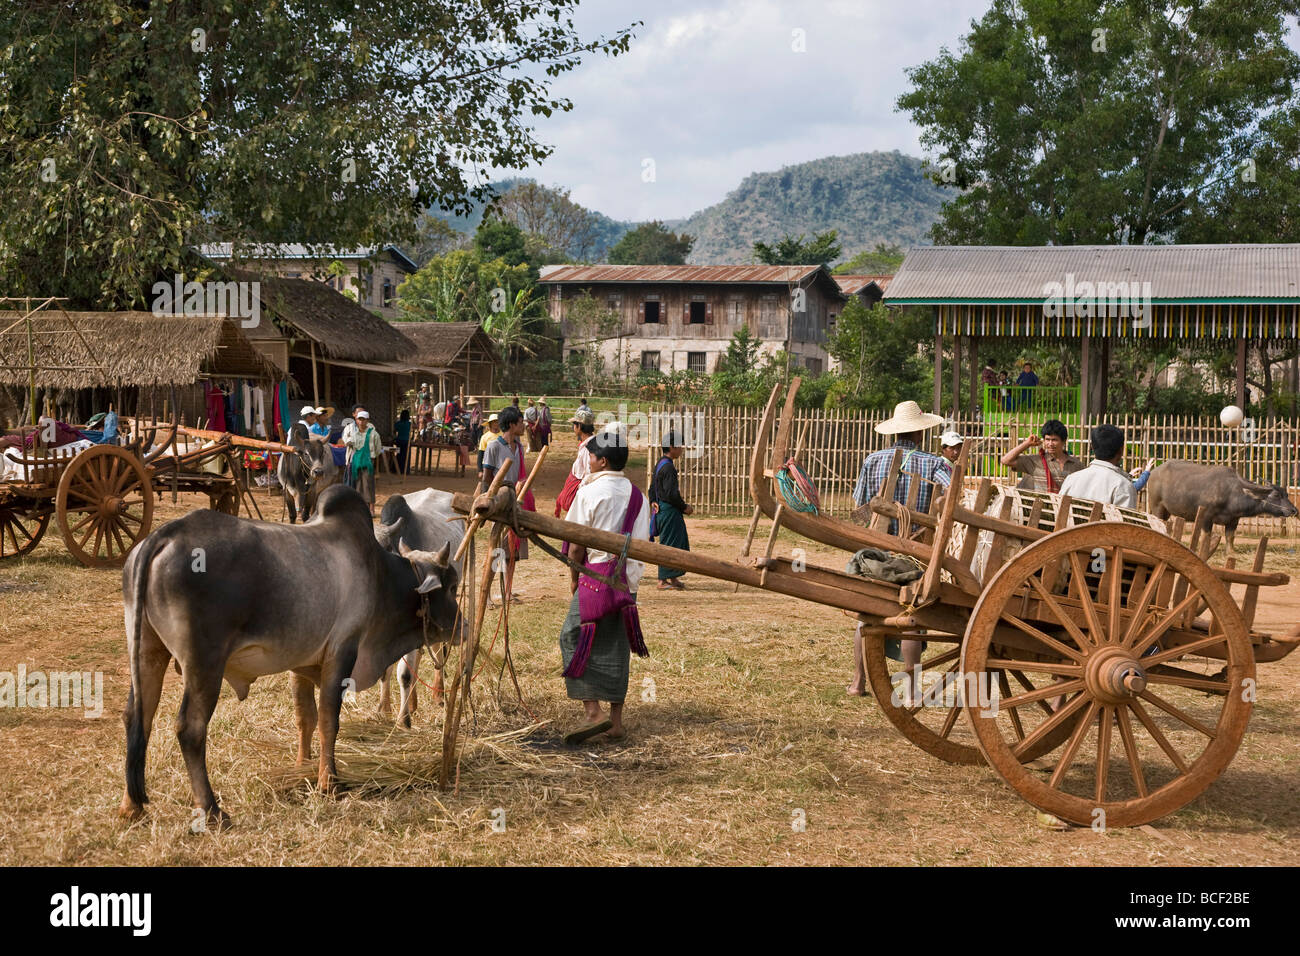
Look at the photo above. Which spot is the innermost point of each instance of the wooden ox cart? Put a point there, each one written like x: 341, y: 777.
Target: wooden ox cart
x: 103, y: 497
x: 1101, y: 667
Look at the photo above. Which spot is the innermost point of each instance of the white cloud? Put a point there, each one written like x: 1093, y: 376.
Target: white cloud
x: 714, y: 91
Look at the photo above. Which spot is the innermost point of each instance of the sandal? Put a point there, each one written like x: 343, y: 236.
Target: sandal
x: 587, y: 732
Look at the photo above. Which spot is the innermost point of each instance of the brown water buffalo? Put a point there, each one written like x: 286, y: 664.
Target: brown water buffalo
x: 231, y: 598
x: 1182, y: 487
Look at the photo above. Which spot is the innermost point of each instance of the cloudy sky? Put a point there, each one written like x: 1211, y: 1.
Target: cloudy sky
x: 712, y: 90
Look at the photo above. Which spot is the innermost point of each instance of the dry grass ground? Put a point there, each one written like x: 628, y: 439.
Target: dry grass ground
x: 748, y: 724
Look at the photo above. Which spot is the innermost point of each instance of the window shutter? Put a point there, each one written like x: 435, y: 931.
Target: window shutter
x: 640, y: 311
x: 708, y: 314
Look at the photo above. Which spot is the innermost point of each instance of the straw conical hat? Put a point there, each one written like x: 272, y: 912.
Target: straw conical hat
x: 908, y: 417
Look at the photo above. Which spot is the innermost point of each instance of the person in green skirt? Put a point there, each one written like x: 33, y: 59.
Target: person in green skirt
x: 603, y: 626
x: 670, y: 510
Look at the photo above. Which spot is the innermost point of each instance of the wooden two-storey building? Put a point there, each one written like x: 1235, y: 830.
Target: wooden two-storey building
x: 672, y: 318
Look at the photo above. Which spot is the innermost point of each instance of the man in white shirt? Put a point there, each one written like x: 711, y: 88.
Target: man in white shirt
x: 1104, y: 479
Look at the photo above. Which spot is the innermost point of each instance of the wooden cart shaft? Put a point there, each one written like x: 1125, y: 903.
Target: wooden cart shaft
x: 860, y: 595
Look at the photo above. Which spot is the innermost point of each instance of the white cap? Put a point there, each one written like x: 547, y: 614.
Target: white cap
x: 950, y: 438
x: 362, y: 413
x: 308, y: 410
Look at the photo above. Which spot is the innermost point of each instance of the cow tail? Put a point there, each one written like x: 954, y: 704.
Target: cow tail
x: 135, y: 730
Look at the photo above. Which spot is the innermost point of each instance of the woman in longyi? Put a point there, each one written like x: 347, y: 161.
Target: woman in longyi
x: 603, y: 627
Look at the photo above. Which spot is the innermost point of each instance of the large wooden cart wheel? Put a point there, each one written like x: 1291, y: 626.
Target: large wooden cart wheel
x: 22, y: 522
x: 932, y: 719
x: 104, y: 505
x: 1094, y: 617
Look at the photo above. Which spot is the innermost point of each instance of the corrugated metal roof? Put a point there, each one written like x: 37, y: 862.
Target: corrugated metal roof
x: 296, y: 250
x: 603, y: 273
x: 1022, y: 273
x: 851, y: 285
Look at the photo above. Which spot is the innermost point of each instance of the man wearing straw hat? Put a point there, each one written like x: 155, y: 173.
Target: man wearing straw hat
x: 909, y: 425
x: 320, y: 428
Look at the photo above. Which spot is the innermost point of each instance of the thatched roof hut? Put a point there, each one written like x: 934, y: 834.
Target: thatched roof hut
x: 339, y: 326
x: 461, y: 351
x: 77, y: 350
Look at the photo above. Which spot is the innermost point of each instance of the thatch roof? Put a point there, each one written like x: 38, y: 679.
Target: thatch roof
x: 340, y: 327
x: 440, y: 344
x: 107, y: 349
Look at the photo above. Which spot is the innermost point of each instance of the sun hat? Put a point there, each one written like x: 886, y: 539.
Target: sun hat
x: 308, y: 410
x: 362, y: 413
x: 493, y: 417
x: 581, y: 417
x: 324, y: 411
x: 908, y: 417
x: 542, y: 400
x: 950, y: 438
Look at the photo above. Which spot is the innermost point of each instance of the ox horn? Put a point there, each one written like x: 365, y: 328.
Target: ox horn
x: 443, y: 557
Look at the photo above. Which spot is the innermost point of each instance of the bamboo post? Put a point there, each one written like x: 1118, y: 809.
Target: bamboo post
x: 477, y: 520
x: 465, y: 673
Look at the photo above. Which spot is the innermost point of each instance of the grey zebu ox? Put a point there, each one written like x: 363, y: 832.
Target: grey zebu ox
x: 305, y: 475
x: 422, y: 521
x: 1183, y: 487
x: 239, y: 599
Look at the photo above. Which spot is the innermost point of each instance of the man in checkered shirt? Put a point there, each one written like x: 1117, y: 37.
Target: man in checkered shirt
x: 909, y: 425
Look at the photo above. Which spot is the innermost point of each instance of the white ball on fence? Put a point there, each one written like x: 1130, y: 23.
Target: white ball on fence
x: 1231, y: 416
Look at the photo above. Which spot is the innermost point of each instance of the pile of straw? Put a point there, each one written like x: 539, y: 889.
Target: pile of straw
x: 377, y: 759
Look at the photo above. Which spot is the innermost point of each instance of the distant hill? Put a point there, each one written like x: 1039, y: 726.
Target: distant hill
x: 868, y: 197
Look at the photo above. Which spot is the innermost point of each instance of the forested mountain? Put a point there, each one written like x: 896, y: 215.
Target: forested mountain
x: 867, y: 197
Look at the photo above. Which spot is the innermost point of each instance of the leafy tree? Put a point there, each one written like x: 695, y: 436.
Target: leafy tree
x: 1101, y: 122
x: 589, y: 323
x: 742, y: 352
x: 433, y: 237
x: 513, y: 319
x: 499, y: 239
x: 651, y: 244
x: 444, y: 289
x: 883, y: 260
x: 130, y: 128
x: 821, y: 249
x: 880, y: 362
x: 555, y: 227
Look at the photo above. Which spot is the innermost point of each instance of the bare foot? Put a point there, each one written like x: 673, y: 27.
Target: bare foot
x: 666, y: 586
x: 853, y: 690
x: 617, y: 733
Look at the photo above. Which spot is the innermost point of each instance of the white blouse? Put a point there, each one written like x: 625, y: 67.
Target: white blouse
x: 601, y: 503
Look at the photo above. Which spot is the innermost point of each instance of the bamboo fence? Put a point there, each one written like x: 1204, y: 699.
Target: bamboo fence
x: 715, y: 469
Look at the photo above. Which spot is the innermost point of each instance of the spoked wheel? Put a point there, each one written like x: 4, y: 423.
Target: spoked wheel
x: 21, y: 528
x: 104, y: 505
x: 1094, y: 617
x: 932, y: 719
